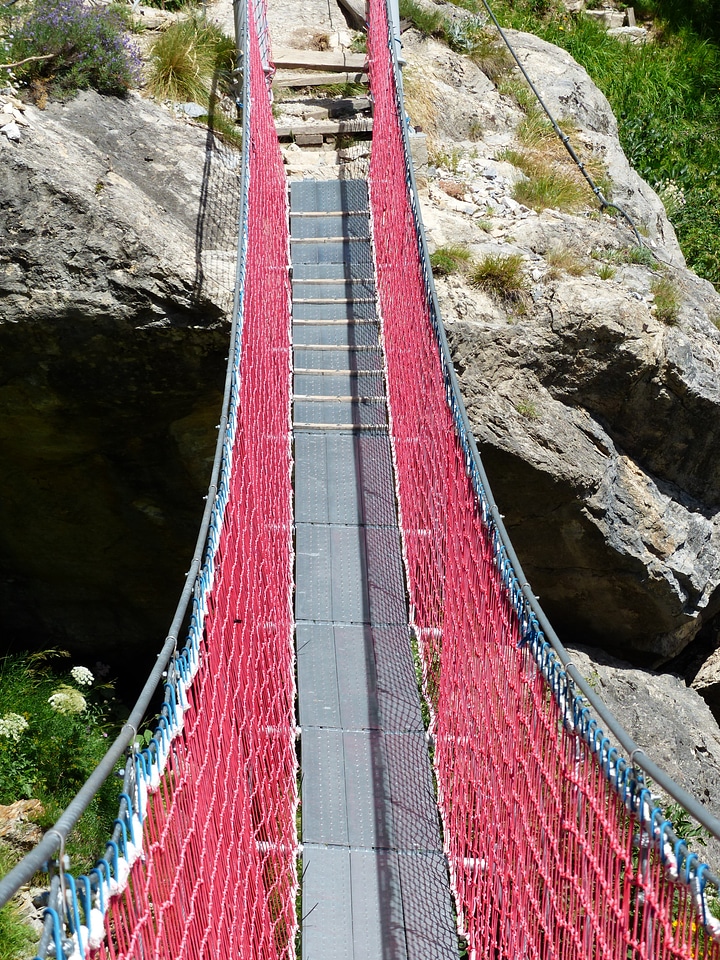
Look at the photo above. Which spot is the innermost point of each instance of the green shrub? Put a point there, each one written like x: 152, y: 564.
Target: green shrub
x: 79, y: 47
x: 54, y: 729
x: 184, y: 59
x: 17, y: 939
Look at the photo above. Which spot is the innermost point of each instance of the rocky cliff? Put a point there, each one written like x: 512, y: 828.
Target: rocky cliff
x: 116, y: 269
x: 595, y: 403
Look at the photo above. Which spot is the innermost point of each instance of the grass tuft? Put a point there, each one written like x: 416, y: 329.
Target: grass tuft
x: 667, y: 300
x: 564, y: 260
x: 449, y: 259
x: 184, y: 59
x: 501, y: 276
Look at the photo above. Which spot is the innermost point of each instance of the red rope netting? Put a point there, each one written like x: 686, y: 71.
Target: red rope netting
x: 218, y: 875
x: 545, y: 860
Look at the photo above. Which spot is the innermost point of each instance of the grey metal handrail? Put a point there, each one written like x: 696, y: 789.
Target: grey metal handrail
x: 638, y: 757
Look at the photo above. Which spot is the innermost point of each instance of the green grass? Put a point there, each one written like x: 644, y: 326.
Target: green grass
x: 500, y: 276
x: 51, y: 753
x: 667, y: 300
x: 665, y: 95
x: 186, y: 57
x: 549, y: 185
x: 527, y: 409
x: 17, y: 939
x: 449, y: 259
x: 639, y: 255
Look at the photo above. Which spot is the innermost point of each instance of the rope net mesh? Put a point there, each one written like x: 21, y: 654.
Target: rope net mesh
x: 218, y: 875
x: 547, y: 858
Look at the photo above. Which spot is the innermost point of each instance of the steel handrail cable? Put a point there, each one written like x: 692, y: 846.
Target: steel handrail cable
x: 604, y: 202
x: 548, y: 651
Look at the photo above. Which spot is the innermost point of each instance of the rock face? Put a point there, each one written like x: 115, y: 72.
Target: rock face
x: 672, y: 724
x: 116, y: 272
x: 595, y: 404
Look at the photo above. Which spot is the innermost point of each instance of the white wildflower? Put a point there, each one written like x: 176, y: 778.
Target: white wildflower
x: 68, y: 700
x: 12, y: 726
x: 82, y: 676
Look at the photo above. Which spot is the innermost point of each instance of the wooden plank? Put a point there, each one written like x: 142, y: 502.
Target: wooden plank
x: 328, y: 128
x: 631, y: 16
x: 355, y: 13
x: 287, y: 59
x: 316, y: 79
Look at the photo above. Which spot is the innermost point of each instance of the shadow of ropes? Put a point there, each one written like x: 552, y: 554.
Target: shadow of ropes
x: 216, y: 231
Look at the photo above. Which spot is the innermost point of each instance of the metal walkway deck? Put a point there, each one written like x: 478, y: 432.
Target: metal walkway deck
x: 374, y: 883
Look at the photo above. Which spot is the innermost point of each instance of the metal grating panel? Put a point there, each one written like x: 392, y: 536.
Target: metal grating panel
x: 339, y: 385
x: 331, y: 225
x: 324, y: 801
x: 328, y: 195
x: 377, y: 906
x: 327, y: 930
x: 334, y: 310
x: 338, y: 358
x: 338, y: 286
x: 361, y: 413
x: 354, y: 253
x: 346, y: 272
x: 364, y: 334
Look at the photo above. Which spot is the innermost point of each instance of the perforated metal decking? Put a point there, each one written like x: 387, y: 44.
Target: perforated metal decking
x: 374, y: 882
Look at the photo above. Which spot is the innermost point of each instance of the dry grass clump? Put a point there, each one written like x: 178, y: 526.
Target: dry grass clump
x: 453, y: 188
x: 564, y: 260
x: 420, y: 94
x: 185, y: 58
x: 553, y: 178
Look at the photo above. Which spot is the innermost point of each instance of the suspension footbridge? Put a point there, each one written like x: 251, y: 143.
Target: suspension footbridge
x: 294, y: 794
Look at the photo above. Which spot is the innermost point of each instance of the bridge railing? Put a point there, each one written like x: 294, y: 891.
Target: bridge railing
x: 202, y: 861
x: 556, y: 844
